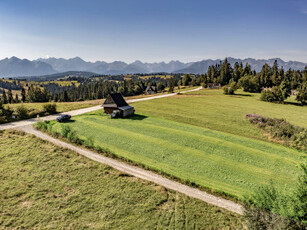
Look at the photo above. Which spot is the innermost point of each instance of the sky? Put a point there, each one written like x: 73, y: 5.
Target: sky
x: 154, y: 30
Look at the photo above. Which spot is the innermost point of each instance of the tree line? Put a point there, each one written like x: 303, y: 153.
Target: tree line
x: 275, y: 84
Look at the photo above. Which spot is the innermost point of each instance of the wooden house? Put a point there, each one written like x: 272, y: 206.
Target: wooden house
x: 151, y: 90
x: 214, y: 85
x: 116, y: 106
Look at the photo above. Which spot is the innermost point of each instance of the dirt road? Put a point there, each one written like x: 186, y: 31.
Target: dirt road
x: 141, y: 173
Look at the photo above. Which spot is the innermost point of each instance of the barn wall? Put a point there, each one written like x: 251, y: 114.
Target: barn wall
x: 128, y: 112
x: 109, y: 110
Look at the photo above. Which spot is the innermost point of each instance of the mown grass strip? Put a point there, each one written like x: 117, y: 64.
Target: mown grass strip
x: 208, y: 158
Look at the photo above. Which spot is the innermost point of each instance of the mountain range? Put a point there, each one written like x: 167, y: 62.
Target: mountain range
x: 15, y: 67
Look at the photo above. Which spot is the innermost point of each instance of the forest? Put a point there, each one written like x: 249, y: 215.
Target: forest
x: 274, y: 83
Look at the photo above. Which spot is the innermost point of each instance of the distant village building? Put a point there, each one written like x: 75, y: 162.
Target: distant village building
x: 116, y: 106
x: 294, y: 92
x: 151, y: 90
x: 214, y: 85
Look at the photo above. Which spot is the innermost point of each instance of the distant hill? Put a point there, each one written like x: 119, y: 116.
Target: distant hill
x: 51, y: 77
x: 119, y: 67
x: 15, y: 67
x: 71, y: 64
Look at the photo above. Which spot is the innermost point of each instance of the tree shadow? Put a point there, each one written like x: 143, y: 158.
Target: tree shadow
x: 293, y: 103
x: 244, y: 95
x: 70, y: 121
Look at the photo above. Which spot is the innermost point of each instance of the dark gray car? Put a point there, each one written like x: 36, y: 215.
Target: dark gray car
x: 63, y: 118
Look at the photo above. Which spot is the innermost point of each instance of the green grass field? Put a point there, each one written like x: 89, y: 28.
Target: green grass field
x: 46, y: 187
x: 61, y: 106
x: 223, y: 162
x: 214, y: 110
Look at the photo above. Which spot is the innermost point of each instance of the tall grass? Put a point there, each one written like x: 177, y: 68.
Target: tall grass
x: 47, y: 187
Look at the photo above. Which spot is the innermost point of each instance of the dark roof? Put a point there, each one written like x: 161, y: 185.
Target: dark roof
x: 153, y: 88
x: 118, y: 99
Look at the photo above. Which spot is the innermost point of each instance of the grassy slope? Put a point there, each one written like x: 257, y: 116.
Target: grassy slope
x: 223, y: 162
x: 46, y: 187
x: 211, y: 109
x: 68, y: 106
x: 61, y: 106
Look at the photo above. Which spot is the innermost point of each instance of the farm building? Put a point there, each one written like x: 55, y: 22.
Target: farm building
x: 116, y: 106
x: 151, y: 90
x: 214, y: 85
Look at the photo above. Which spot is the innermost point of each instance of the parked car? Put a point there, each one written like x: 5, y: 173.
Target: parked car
x: 63, y: 118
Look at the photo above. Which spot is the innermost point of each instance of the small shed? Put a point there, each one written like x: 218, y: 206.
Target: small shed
x: 116, y: 106
x: 214, y: 85
x: 151, y: 90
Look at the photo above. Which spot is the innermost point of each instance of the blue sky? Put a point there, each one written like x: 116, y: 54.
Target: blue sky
x: 155, y: 30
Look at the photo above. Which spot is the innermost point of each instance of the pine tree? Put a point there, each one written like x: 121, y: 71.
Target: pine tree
x: 225, y: 74
x: 275, y: 77
x: 23, y: 95
x: 16, y: 98
x: 10, y: 96
x: 4, y: 97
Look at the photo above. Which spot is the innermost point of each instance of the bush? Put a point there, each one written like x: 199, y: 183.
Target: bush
x: 42, y: 125
x: 70, y: 134
x: 272, y: 95
x: 230, y: 88
x: 282, y: 130
x: 50, y: 108
x: 300, y: 140
x: 250, y: 84
x: 65, y: 130
x: 22, y: 112
x: 302, y: 94
x: 90, y: 141
x: 268, y: 208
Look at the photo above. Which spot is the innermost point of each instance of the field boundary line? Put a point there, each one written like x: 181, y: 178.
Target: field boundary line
x: 141, y: 173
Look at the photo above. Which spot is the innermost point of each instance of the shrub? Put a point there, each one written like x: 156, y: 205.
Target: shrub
x: 250, y: 84
x: 65, y: 130
x: 282, y: 130
x: 230, y: 88
x: 302, y: 94
x: 22, y: 112
x: 70, y: 134
x: 90, y: 141
x: 268, y: 208
x: 272, y: 95
x: 41, y: 125
x: 300, y: 140
x: 50, y: 108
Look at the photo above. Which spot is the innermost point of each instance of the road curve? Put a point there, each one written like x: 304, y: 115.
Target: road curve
x: 141, y: 173
x: 18, y: 124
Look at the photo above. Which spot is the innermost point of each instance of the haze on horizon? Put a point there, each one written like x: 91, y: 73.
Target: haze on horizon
x: 154, y: 31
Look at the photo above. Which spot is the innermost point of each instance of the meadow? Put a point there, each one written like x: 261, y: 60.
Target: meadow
x: 47, y: 187
x: 212, y: 109
x: 223, y: 162
x: 61, y: 106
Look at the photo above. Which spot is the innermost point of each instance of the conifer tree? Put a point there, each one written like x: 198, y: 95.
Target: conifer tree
x: 10, y: 96
x: 4, y: 97
x: 23, y: 95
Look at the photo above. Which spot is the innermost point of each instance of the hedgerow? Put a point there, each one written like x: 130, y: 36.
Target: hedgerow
x: 286, y: 133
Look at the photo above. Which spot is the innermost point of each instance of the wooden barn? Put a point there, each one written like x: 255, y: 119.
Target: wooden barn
x: 151, y: 90
x: 116, y: 106
x: 214, y: 85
